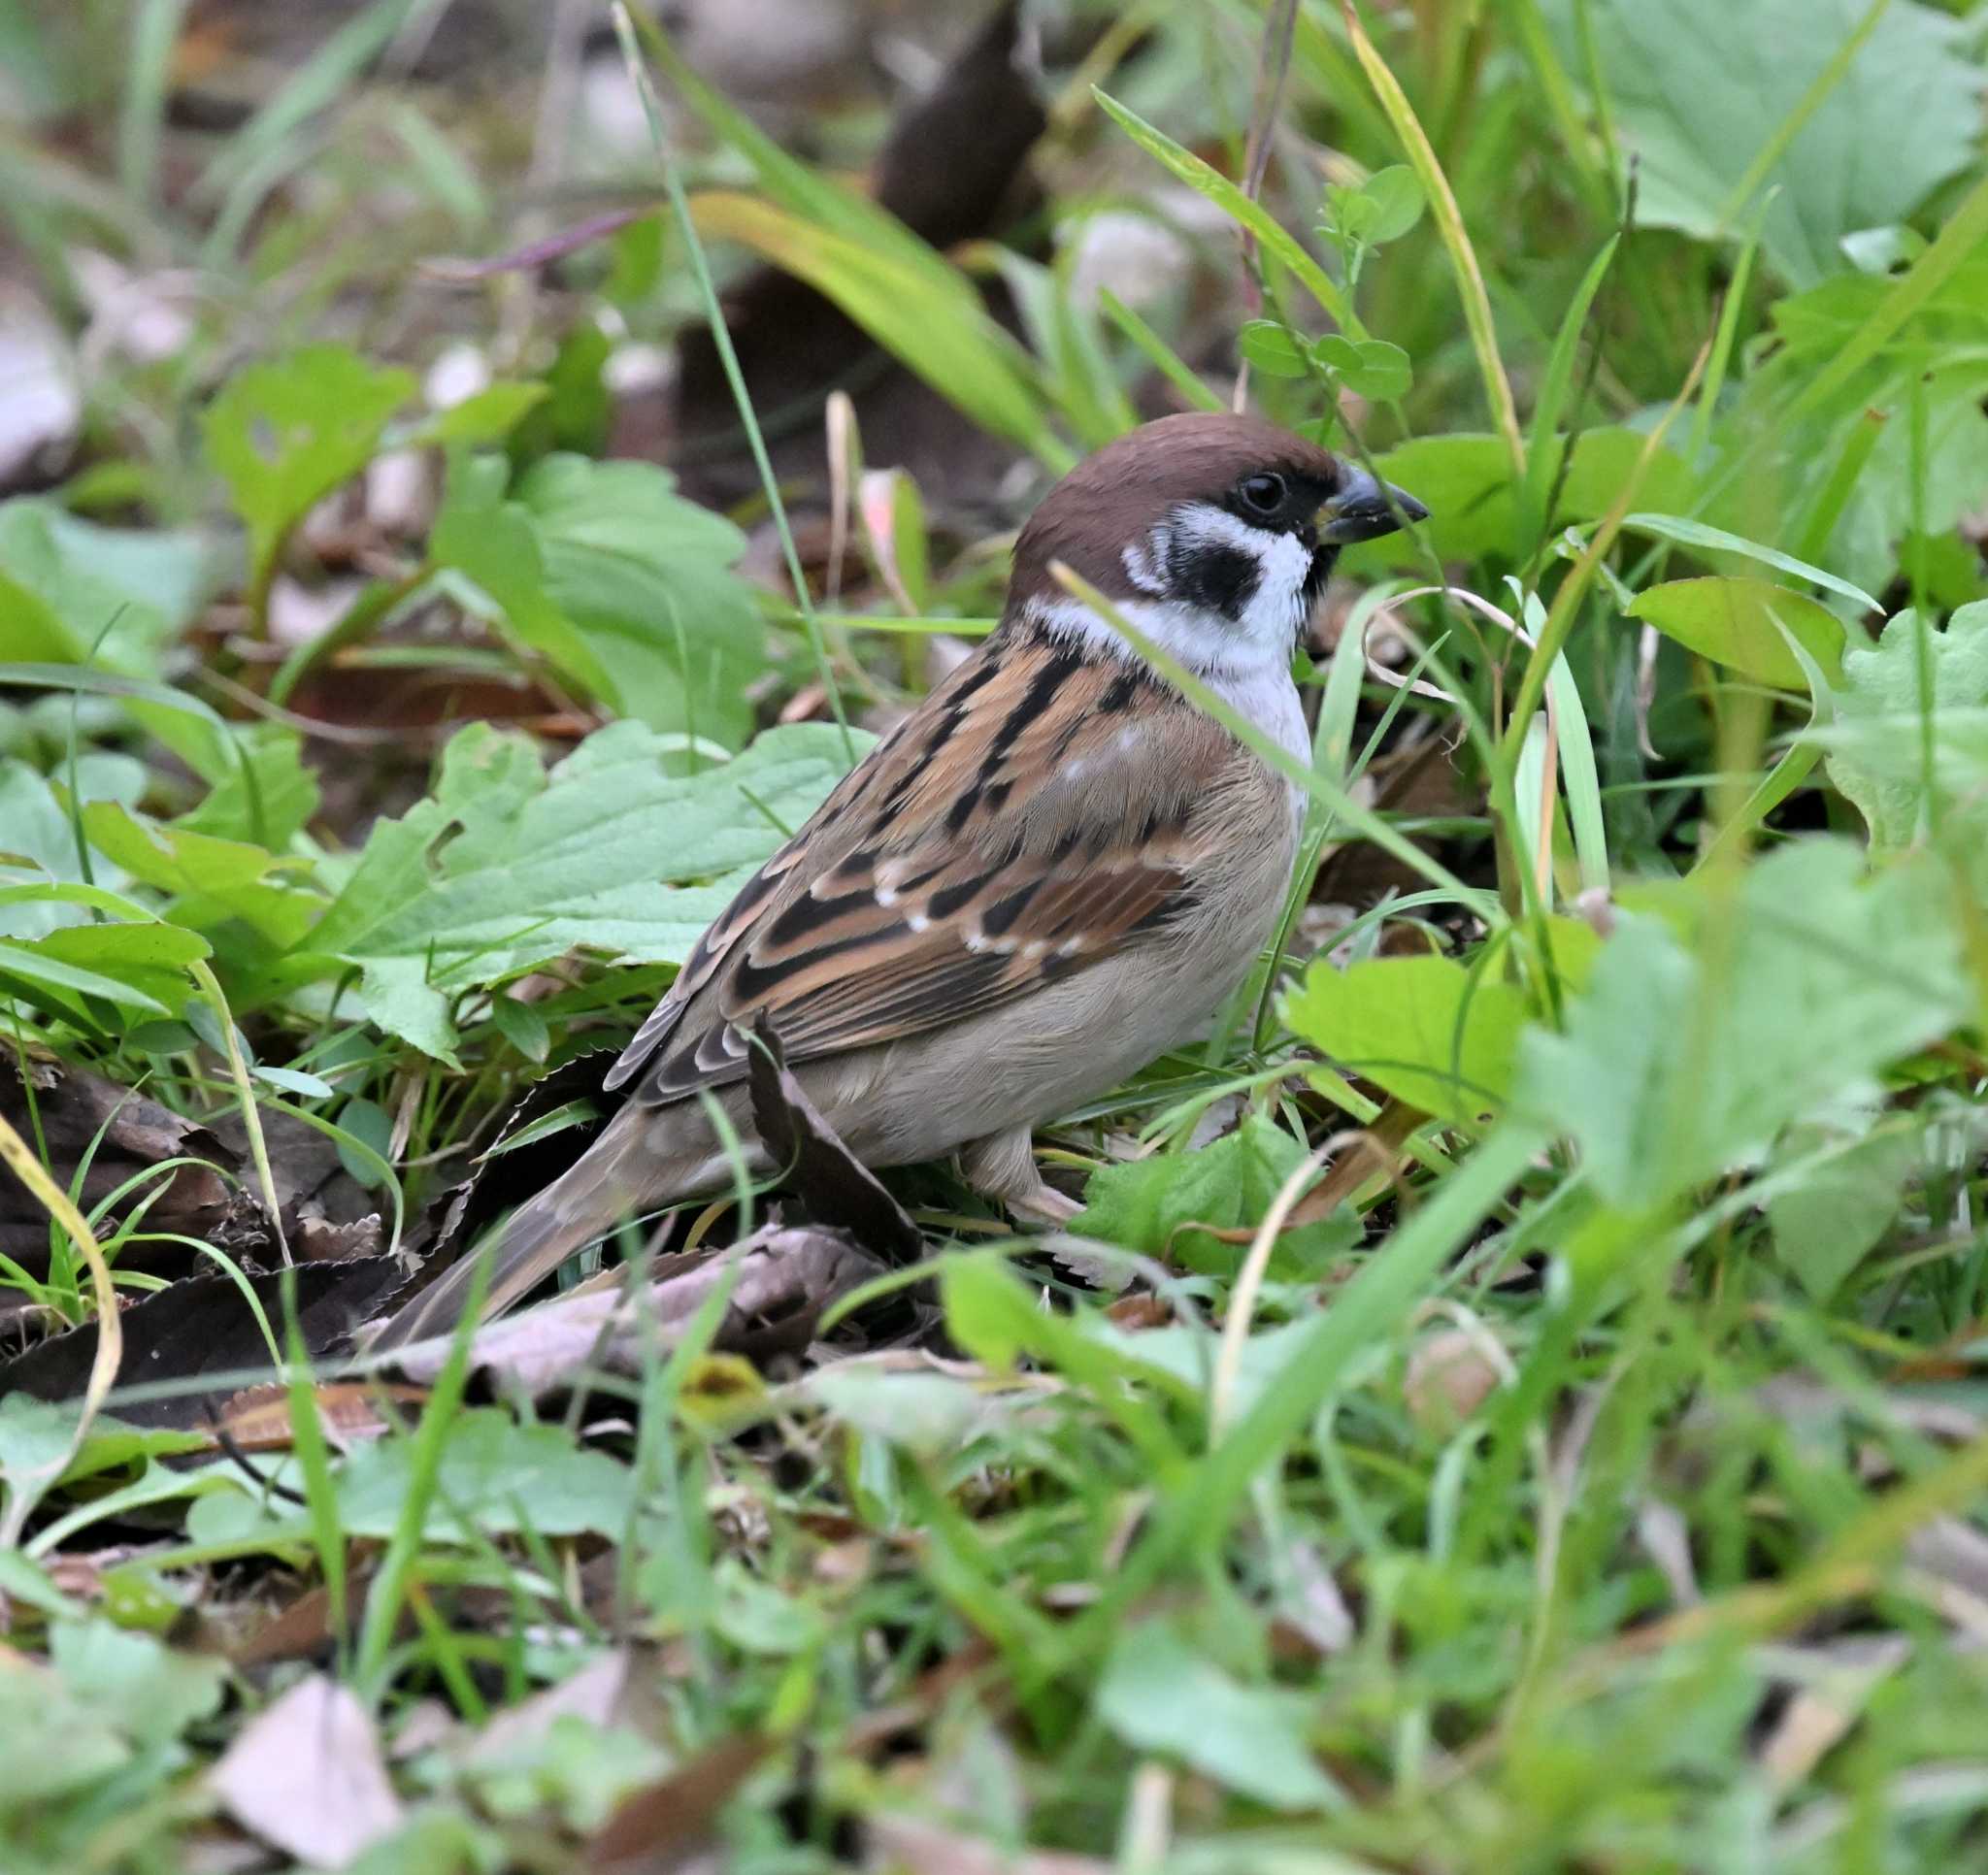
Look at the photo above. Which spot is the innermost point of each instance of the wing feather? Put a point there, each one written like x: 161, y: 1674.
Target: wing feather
x: 1033, y: 815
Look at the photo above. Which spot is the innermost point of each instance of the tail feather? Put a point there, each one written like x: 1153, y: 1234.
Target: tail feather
x: 617, y: 1175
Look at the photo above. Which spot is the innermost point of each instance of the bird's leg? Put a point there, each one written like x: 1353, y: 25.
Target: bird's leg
x: 1003, y: 1167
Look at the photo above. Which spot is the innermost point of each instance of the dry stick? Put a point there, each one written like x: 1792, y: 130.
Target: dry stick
x: 1275, y: 60
x: 104, y: 1365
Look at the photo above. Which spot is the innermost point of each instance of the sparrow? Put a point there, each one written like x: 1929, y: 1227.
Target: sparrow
x: 1052, y: 871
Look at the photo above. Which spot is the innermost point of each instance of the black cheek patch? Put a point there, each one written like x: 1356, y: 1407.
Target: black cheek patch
x: 1221, y: 578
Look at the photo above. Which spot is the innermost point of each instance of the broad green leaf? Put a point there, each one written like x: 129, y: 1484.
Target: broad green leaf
x: 497, y: 1477
x: 1397, y: 200
x: 72, y: 589
x: 1369, y: 367
x: 1738, y: 622
x: 152, y: 1692
x: 38, y: 845
x: 269, y: 804
x: 1158, y: 1696
x: 208, y: 880
x: 507, y: 867
x: 1272, y: 349
x: 1701, y: 91
x: 1152, y: 1204
x: 283, y: 434
x: 496, y: 544
x: 1467, y: 483
x: 1421, y: 1027
x: 1827, y: 1225
x: 30, y: 964
x: 1876, y: 759
x: 489, y: 416
x: 645, y: 578
x: 149, y: 960
x: 1701, y: 1032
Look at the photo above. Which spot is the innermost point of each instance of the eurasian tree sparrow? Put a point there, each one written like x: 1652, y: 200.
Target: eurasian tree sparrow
x: 1052, y: 871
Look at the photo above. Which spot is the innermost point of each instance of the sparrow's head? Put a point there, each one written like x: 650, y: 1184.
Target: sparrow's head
x: 1212, y: 534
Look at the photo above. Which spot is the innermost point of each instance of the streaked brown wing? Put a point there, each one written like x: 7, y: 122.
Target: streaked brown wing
x: 1033, y: 816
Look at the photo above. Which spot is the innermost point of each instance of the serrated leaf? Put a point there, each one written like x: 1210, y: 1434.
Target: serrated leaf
x: 1876, y: 759
x: 283, y: 434
x: 507, y: 867
x: 645, y: 578
x: 208, y: 880
x: 1696, y: 1041
x: 1153, y: 1205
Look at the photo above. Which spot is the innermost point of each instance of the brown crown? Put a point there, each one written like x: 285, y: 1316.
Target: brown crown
x: 1111, y: 499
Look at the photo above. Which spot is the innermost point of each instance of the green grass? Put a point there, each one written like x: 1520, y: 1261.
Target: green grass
x: 1593, y: 1476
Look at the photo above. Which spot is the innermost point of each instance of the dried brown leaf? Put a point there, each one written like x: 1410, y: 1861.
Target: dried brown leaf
x: 307, y: 1776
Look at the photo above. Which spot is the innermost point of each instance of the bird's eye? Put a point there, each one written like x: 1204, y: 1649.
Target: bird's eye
x: 1263, y: 494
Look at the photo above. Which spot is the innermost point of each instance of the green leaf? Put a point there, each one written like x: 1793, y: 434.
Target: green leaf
x: 1467, y: 481
x: 1423, y: 1028
x: 489, y: 416
x: 523, y: 1026
x: 150, y: 1691
x: 1715, y: 539
x: 1702, y: 91
x: 271, y: 803
x: 506, y: 866
x: 208, y: 880
x: 149, y: 960
x: 1277, y: 241
x: 283, y: 434
x: 1369, y: 367
x: 1693, y: 1046
x: 645, y: 578
x: 1150, y: 1204
x: 1396, y: 203
x: 1272, y: 349
x: 496, y: 544
x: 1877, y: 760
x: 1826, y: 1225
x: 1738, y: 622
x: 497, y: 1478
x: 71, y: 590
x: 1159, y: 1695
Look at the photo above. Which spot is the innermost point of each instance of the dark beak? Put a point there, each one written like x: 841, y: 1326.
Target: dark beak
x: 1364, y: 510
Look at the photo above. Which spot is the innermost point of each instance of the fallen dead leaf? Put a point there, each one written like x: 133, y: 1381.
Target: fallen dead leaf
x: 307, y: 1776
x: 257, y: 1418
x: 900, y: 1845
x: 204, y: 1326
x: 786, y: 1278
x: 658, y: 1829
